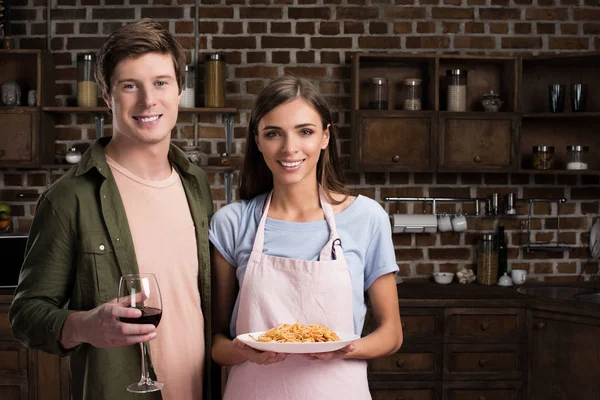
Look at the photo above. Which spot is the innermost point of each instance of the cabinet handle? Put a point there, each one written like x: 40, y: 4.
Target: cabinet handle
x: 477, y: 159
x: 2, y: 153
x: 540, y: 325
x: 482, y: 363
x: 485, y: 326
x: 396, y: 158
x: 400, y: 363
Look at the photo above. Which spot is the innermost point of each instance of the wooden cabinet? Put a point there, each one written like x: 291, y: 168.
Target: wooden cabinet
x: 469, y: 142
x: 28, y: 374
x: 564, y: 356
x: 27, y: 139
x: 475, y: 140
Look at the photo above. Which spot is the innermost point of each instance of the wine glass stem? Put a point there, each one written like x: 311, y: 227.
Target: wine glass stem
x: 145, y: 370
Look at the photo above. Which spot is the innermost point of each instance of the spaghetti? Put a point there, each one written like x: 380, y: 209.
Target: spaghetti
x: 298, y: 333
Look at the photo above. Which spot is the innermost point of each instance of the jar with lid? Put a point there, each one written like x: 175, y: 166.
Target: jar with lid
x: 412, y: 94
x: 87, y: 90
x: 577, y: 157
x: 543, y: 157
x: 487, y: 260
x: 378, y: 93
x: 214, y: 80
x: 188, y: 92
x: 457, y: 89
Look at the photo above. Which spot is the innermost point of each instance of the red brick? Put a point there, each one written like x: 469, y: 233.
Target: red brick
x: 213, y: 12
x: 452, y: 13
x: 406, y: 27
x: 522, y: 28
x: 476, y: 2
x: 13, y: 179
x: 162, y: 13
x: 238, y: 42
x: 60, y: 14
x: 359, y: 13
x: 65, y: 28
x: 586, y: 14
x: 310, y: 13
x: 545, y: 28
x: 282, y: 42
x: 231, y: 28
x: 504, y: 3
x: 449, y: 254
x: 305, y: 28
x: 255, y: 72
x: 453, y: 2
x: 409, y: 254
x: 427, y: 42
x: 329, y: 28
x: 81, y: 42
x: 547, y: 14
x: 568, y: 43
x: 353, y: 27
x: 261, y: 13
x: 307, y: 72
x: 424, y: 269
x: 256, y: 57
x: 591, y: 28
x: 474, y: 27
x: 305, y: 57
x: 330, y: 57
x: 474, y: 42
x: 395, y: 13
x: 281, y: 27
x: 500, y: 13
x: 521, y: 42
x: 381, y: 28
x: 331, y: 43
x: 257, y: 27
x: 209, y: 28
x: 281, y: 57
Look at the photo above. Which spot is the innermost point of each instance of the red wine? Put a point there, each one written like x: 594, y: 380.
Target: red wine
x: 149, y: 316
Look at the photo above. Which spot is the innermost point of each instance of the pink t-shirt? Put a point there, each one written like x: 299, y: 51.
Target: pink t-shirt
x: 165, y: 244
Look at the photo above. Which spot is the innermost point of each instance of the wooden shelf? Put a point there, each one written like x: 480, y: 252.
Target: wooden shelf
x: 558, y: 171
x: 563, y: 115
x: 199, y: 110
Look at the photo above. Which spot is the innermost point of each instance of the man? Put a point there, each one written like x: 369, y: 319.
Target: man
x: 133, y: 204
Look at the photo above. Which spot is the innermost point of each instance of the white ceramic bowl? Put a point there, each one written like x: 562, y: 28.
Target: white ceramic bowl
x: 443, y: 278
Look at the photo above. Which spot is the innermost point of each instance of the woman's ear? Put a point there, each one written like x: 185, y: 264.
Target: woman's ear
x: 326, y: 136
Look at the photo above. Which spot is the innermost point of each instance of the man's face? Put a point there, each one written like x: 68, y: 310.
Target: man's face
x: 144, y: 98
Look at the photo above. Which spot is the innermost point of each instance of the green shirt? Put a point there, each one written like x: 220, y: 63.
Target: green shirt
x: 78, y: 248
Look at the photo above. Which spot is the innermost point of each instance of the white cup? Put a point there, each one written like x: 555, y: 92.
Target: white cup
x: 518, y: 276
x: 444, y: 223
x: 459, y: 223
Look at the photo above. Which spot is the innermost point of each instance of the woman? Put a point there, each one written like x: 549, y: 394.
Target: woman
x: 299, y: 248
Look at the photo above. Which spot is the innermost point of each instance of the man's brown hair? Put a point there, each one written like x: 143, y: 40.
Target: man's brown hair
x: 133, y: 41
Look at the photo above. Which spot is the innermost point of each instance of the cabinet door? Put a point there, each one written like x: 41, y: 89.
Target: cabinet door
x: 484, y: 325
x: 398, y: 390
x: 478, y: 142
x: 18, y: 137
x: 419, y: 325
x: 394, y: 141
x: 564, y: 357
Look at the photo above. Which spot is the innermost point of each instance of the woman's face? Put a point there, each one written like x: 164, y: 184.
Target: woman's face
x: 290, y: 138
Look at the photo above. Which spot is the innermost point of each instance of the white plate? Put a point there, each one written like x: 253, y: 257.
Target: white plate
x: 319, y: 347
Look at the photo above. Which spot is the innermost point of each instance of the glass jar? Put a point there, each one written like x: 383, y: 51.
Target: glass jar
x: 543, y: 157
x: 214, y: 80
x: 188, y: 92
x: 378, y: 93
x: 87, y: 90
x: 412, y: 94
x: 487, y: 260
x: 457, y: 89
x: 577, y: 157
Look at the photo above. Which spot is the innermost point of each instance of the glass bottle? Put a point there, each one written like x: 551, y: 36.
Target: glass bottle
x: 577, y: 157
x: 543, y: 157
x: 214, y: 80
x: 378, y: 93
x: 502, y: 253
x: 87, y: 90
x: 188, y: 92
x: 412, y: 94
x: 487, y: 260
x: 457, y: 89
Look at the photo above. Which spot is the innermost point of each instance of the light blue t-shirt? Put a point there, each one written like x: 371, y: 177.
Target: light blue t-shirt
x: 364, y: 229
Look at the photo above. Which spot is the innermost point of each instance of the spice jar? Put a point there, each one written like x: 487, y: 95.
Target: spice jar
x: 543, y: 157
x: 487, y: 260
x: 87, y: 90
x: 378, y: 93
x: 577, y: 157
x: 457, y: 89
x: 214, y: 80
x: 412, y: 94
x: 188, y: 92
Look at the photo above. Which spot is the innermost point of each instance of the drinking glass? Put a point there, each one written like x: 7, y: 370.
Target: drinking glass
x: 141, y: 291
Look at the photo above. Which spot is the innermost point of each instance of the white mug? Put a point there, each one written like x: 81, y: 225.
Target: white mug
x: 518, y: 276
x: 459, y: 223
x: 444, y: 224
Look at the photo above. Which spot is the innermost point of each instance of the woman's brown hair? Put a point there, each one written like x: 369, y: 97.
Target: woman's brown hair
x: 133, y: 41
x: 256, y: 177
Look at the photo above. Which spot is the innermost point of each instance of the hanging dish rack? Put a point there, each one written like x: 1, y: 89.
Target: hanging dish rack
x: 555, y: 245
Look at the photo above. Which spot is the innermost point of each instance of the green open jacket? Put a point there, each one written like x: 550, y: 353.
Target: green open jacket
x: 78, y: 248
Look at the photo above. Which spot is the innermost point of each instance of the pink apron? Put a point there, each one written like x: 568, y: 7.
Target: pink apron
x: 282, y: 290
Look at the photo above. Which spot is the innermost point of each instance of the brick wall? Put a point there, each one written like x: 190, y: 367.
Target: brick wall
x: 316, y: 38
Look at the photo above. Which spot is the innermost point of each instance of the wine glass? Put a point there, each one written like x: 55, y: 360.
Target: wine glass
x: 141, y: 291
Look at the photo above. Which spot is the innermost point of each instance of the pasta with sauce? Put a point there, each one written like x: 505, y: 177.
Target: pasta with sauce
x: 298, y: 333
